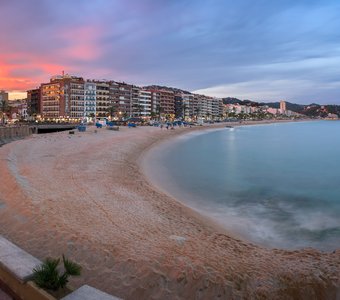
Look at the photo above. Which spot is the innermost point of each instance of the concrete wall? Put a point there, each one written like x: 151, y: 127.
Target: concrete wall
x: 16, y: 272
x: 9, y: 134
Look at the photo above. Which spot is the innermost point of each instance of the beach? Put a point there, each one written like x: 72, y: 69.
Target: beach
x: 85, y: 195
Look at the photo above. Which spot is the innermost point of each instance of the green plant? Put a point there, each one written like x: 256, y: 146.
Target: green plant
x: 49, y: 277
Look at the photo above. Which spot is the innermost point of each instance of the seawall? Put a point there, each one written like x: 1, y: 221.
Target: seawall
x: 9, y: 134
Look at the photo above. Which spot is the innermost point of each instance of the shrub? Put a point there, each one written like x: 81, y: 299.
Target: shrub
x: 48, y: 276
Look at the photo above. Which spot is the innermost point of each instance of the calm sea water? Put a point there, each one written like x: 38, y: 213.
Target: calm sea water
x: 277, y: 185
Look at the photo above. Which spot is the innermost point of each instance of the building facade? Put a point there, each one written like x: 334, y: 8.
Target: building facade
x: 90, y: 99
x: 103, y: 101
x: 33, y: 102
x: 144, y: 103
x: 121, y: 95
x: 163, y: 103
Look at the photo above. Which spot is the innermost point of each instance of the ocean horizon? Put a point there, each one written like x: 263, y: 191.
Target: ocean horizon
x: 275, y: 185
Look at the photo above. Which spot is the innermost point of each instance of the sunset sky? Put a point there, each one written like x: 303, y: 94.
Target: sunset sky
x: 260, y: 50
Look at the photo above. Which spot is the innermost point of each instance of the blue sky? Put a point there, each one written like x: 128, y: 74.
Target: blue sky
x: 259, y: 50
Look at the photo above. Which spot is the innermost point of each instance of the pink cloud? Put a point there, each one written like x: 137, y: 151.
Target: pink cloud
x: 20, y: 70
x: 82, y: 42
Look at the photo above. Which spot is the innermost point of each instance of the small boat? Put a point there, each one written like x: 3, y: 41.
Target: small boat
x: 229, y: 126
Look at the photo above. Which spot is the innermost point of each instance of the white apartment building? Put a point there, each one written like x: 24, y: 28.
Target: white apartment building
x: 89, y: 99
x: 144, y: 103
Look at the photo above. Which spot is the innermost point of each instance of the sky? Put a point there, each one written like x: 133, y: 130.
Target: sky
x: 262, y: 50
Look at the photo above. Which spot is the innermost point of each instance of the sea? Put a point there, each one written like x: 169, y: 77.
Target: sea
x: 276, y: 185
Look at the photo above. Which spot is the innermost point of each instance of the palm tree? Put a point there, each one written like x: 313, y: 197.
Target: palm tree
x: 197, y: 110
x: 184, y: 110
x: 159, y: 111
x: 111, y: 111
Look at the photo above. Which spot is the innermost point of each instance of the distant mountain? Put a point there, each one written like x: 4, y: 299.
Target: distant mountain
x: 230, y: 100
x: 299, y: 108
x: 159, y: 87
x: 311, y: 110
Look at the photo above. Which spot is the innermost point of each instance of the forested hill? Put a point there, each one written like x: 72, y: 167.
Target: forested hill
x: 159, y: 87
x: 312, y: 110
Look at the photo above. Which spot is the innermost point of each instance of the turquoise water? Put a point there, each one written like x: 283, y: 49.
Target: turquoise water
x: 277, y: 185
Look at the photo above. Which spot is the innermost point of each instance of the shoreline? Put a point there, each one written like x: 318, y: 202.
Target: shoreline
x: 85, y: 196
x: 150, y: 162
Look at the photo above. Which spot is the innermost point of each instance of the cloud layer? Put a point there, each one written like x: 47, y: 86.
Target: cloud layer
x: 262, y: 50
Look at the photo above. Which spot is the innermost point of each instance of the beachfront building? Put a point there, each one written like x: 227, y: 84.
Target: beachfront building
x: 206, y: 107
x: 62, y: 97
x: 163, y: 103
x: 90, y: 99
x: 76, y: 96
x: 70, y: 96
x: 183, y: 105
x: 121, y: 95
x: 52, y: 100
x: 144, y: 103
x: 33, y: 102
x: 136, y: 108
x: 195, y: 106
x: 103, y: 101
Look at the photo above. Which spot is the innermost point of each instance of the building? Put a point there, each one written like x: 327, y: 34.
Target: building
x: 90, y: 99
x: 68, y: 96
x: 33, y: 102
x: 76, y: 95
x: 103, y: 101
x: 283, y: 107
x: 163, y: 103
x: 62, y: 97
x: 52, y: 103
x: 3, y: 96
x: 136, y: 108
x: 121, y: 95
x: 144, y: 103
x: 18, y: 109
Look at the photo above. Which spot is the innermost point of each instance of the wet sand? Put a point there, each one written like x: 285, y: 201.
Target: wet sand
x: 85, y: 195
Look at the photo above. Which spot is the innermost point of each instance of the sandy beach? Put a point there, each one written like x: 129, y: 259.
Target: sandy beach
x: 85, y: 195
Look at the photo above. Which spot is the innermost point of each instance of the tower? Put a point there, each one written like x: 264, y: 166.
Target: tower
x: 283, y: 106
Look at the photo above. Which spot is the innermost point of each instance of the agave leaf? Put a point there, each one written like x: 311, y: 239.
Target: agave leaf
x: 47, y: 275
x: 71, y: 267
x: 63, y: 280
